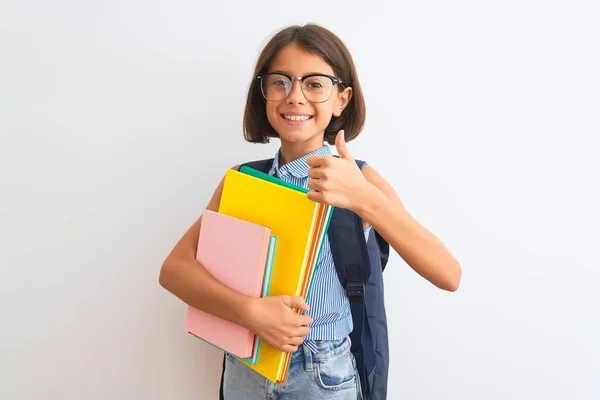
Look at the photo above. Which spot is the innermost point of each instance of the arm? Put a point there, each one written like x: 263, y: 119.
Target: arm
x: 339, y: 182
x: 271, y: 318
x: 421, y: 250
x: 182, y: 275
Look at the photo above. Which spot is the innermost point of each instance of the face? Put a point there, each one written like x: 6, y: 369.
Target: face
x: 295, y: 118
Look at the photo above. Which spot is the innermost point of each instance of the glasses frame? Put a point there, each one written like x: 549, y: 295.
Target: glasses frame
x: 334, y: 79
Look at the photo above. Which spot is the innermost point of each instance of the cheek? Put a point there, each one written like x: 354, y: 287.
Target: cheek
x: 271, y: 111
x: 324, y: 112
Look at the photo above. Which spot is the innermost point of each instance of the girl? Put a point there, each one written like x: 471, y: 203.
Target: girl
x: 306, y: 92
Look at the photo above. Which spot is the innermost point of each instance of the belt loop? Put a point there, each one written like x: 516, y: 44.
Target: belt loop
x: 308, y: 360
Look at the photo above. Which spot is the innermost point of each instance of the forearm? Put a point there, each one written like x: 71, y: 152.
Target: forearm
x: 190, y: 282
x: 421, y: 250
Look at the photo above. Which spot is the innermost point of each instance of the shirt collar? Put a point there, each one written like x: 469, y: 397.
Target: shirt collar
x: 298, y: 168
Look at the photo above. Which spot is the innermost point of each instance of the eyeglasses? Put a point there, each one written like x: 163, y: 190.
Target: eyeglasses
x: 317, y: 88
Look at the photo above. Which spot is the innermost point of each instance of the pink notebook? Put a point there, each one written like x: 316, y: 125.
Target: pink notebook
x: 234, y: 251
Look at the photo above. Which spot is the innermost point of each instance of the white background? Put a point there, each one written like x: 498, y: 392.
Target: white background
x: 118, y: 118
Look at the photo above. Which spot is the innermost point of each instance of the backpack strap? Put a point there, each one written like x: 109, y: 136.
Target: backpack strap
x: 384, y: 249
x: 351, y: 259
x: 350, y: 256
x: 260, y: 165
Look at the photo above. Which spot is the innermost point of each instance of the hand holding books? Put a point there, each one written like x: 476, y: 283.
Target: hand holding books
x: 274, y: 320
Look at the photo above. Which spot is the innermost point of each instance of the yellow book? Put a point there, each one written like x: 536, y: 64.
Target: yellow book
x: 294, y: 219
x: 311, y: 267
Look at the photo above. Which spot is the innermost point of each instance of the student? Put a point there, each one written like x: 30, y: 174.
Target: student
x: 306, y: 92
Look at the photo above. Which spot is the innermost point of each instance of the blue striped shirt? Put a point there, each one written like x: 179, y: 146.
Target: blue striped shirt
x: 329, y: 305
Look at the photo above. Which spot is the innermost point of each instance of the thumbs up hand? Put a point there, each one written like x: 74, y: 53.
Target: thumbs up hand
x: 342, y: 147
x: 337, y: 181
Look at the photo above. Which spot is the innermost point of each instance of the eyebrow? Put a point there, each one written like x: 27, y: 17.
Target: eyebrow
x: 287, y: 73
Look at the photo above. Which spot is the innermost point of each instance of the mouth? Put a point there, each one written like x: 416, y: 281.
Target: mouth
x: 296, y: 117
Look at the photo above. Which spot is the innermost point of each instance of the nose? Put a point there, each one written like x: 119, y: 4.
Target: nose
x: 296, y: 96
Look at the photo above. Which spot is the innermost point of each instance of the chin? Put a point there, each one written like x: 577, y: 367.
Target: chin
x: 294, y: 137
x: 297, y: 136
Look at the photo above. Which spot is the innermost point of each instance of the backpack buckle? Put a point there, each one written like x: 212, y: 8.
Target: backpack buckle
x: 355, y: 290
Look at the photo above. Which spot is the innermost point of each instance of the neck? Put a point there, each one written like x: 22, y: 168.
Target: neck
x: 291, y: 151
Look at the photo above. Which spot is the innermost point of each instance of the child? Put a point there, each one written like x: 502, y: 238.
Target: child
x: 306, y: 92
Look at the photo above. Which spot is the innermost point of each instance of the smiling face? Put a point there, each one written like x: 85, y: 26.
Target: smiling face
x: 297, y: 120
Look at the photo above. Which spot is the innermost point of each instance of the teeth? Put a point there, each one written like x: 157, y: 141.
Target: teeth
x: 296, y: 117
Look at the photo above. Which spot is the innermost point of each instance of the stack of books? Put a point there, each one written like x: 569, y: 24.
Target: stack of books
x: 264, y: 240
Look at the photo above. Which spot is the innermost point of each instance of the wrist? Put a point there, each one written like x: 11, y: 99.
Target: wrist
x: 369, y: 202
x: 245, y: 310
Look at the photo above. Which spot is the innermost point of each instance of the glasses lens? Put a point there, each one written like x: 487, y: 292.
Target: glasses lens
x: 317, y: 88
x: 275, y: 87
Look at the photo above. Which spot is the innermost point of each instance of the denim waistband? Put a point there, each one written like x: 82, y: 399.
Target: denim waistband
x: 325, y: 349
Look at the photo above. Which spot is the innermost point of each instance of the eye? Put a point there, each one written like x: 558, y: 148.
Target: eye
x: 317, y: 83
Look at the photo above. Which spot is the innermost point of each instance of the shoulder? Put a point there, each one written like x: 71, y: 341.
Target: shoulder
x: 360, y: 163
x: 261, y: 164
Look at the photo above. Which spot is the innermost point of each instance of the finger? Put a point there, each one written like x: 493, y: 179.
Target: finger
x: 317, y: 173
x: 302, y: 331
x: 317, y: 161
x: 304, y: 320
x: 297, y: 302
x: 341, y: 147
x: 289, y: 348
x: 316, y: 184
x: 296, y: 341
x: 317, y: 197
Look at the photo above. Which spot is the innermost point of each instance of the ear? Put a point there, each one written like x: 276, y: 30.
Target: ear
x: 343, y: 98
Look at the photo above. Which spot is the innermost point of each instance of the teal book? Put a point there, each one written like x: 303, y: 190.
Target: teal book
x: 265, y: 292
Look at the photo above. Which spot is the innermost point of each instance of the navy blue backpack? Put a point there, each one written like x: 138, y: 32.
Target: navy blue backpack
x: 359, y: 264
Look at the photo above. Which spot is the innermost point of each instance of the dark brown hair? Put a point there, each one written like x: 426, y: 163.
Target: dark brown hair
x: 322, y: 42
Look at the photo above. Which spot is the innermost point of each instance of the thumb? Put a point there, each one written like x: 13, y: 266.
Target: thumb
x: 296, y: 302
x: 341, y: 147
